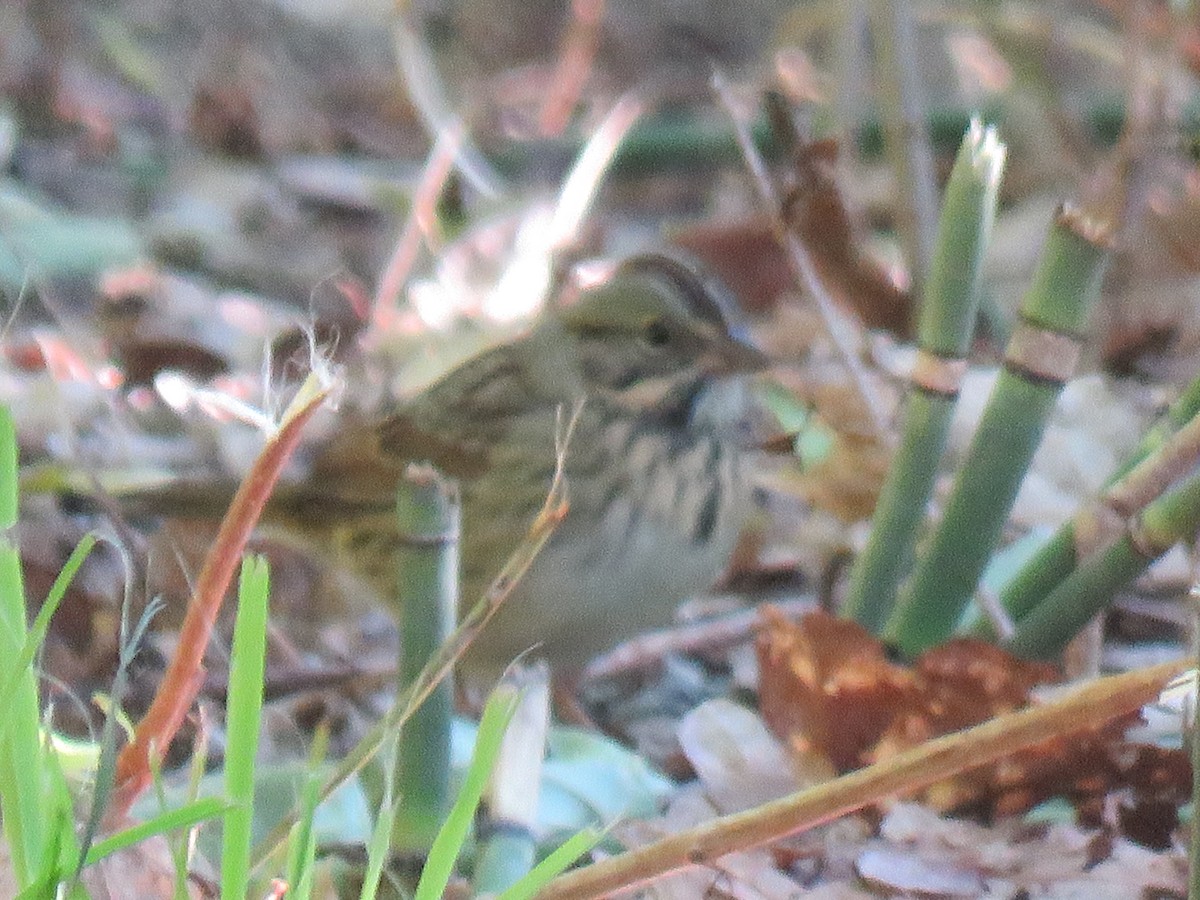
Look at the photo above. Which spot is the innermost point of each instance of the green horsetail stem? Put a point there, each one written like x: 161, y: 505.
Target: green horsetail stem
x: 1173, y: 517
x: 428, y: 515
x: 677, y: 143
x: 948, y: 316
x: 1040, y: 357
x: 1057, y: 558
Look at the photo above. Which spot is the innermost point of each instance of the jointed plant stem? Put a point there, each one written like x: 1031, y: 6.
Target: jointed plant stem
x: 909, y: 771
x: 1173, y: 517
x: 1059, y: 556
x: 948, y: 317
x: 1039, y: 359
x: 428, y: 514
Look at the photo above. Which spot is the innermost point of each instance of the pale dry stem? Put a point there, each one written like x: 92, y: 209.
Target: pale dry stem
x: 802, y: 265
x: 551, y: 514
x: 1087, y: 707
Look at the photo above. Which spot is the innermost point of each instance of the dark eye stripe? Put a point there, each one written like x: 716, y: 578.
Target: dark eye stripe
x: 657, y: 333
x: 706, y: 519
x: 704, y: 298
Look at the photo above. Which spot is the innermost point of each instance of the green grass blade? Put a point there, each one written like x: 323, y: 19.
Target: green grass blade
x: 8, y: 470
x: 553, y: 865
x: 381, y: 834
x: 186, y: 816
x: 21, y: 801
x: 302, y: 851
x: 41, y: 624
x: 446, y: 846
x: 48, y: 881
x: 243, y: 719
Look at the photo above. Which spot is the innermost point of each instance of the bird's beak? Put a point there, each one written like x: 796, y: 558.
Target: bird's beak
x: 735, y: 355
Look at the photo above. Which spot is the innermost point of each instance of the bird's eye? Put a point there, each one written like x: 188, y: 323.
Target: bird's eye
x: 656, y: 333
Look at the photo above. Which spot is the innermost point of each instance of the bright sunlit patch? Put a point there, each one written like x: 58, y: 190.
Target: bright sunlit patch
x: 592, y: 272
x: 181, y: 393
x: 433, y: 303
x: 521, y: 287
x: 520, y: 291
x: 422, y: 226
x: 174, y: 389
x: 579, y: 190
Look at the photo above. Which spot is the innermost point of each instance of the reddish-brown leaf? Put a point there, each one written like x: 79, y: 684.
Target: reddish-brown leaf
x: 827, y: 688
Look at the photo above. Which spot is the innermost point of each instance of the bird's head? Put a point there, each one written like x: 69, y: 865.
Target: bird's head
x: 655, y: 333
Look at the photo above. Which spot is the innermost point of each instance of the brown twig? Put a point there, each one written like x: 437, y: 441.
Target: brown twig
x: 711, y: 633
x: 574, y: 64
x: 421, y: 223
x: 1085, y: 708
x: 902, y: 105
x: 802, y: 264
x: 185, y: 674
x: 432, y: 101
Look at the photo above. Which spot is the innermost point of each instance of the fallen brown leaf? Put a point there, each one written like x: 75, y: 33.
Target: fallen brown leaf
x: 827, y: 689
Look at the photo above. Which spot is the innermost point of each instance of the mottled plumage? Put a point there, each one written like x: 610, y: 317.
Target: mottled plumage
x: 655, y: 477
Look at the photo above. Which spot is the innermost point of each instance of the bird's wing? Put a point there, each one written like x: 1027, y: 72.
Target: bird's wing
x: 456, y: 424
